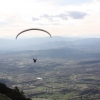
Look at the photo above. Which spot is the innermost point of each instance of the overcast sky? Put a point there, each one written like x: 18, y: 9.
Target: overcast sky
x: 71, y: 18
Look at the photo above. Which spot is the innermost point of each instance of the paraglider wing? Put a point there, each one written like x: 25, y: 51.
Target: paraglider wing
x: 33, y: 29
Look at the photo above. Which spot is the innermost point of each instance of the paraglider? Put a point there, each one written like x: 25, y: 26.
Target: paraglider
x: 34, y: 60
x: 32, y: 29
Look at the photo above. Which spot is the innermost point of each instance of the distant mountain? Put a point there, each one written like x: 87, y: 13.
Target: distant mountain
x: 59, y: 52
x: 49, y: 43
x: 69, y: 53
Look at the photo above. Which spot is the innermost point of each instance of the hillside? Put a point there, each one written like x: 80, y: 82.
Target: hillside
x: 4, y: 97
x: 14, y: 94
x: 48, y: 43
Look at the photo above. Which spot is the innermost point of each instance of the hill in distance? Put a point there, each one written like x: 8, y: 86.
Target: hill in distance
x: 47, y: 43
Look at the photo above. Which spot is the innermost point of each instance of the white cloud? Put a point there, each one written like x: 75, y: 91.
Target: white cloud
x: 77, y: 15
x: 75, y: 19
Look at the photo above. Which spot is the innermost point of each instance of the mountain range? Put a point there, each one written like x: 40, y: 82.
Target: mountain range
x: 62, y: 47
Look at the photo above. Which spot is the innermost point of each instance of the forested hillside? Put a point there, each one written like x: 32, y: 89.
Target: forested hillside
x: 14, y: 94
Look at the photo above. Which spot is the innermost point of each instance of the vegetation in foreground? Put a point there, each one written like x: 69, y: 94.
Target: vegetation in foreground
x: 14, y: 94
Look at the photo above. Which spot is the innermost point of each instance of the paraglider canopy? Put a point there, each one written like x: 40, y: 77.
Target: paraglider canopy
x: 33, y: 29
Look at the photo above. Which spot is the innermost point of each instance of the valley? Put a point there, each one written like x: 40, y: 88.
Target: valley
x: 61, y: 73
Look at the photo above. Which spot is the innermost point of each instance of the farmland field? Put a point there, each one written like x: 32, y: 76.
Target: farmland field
x: 52, y: 78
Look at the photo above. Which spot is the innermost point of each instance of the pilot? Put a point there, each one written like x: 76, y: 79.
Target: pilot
x: 34, y: 60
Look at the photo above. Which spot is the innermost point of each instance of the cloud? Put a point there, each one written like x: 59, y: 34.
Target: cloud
x: 57, y: 16
x: 2, y: 23
x: 49, y: 17
x: 77, y: 15
x: 71, y: 2
x: 63, y: 16
x: 35, y: 19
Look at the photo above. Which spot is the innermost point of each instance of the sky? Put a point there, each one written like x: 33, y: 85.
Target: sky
x: 70, y: 18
